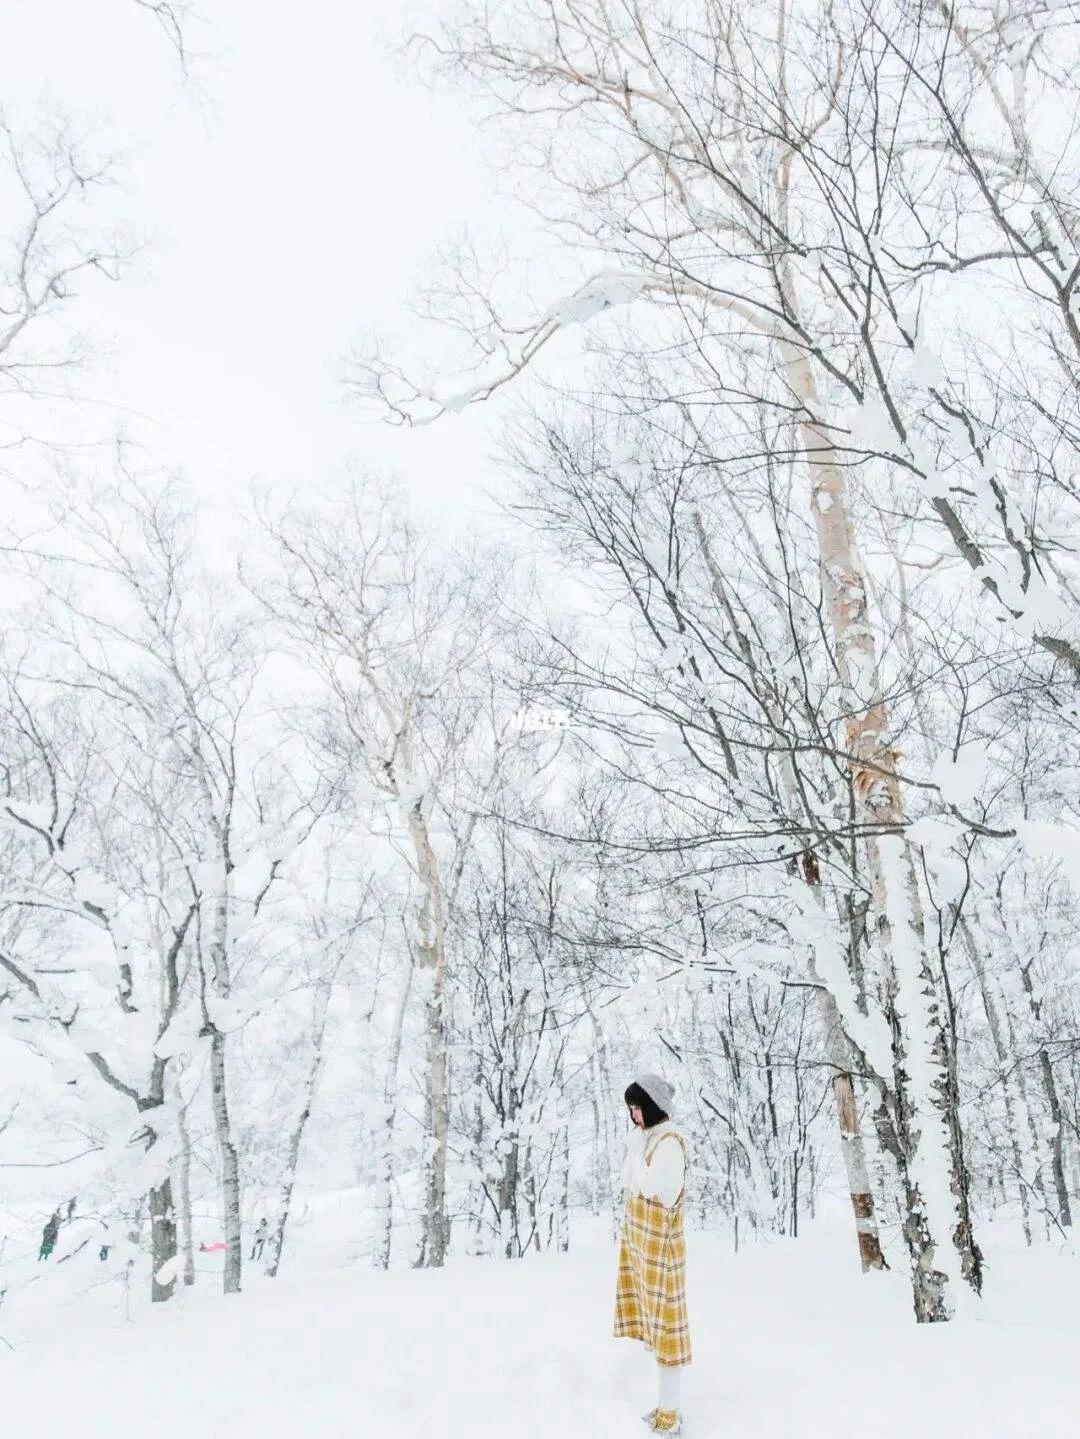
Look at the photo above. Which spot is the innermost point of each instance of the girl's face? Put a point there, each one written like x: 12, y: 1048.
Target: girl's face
x: 635, y: 1115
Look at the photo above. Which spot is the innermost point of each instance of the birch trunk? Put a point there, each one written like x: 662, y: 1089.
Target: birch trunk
x: 162, y: 1239
x: 1035, y: 1139
x: 924, y: 1108
x: 858, y: 1178
x: 838, y: 1054
x: 1004, y: 1076
x: 477, y: 1191
x: 384, y: 1187
x: 852, y: 1148
x: 230, y: 1166
x: 1046, y: 1070
x: 431, y: 958
x: 599, y: 1164
x: 229, y: 1175
x: 184, y: 1168
x: 564, y: 1194
x: 605, y: 1193
x: 837, y: 1045
x: 509, y: 1233
x: 296, y: 1138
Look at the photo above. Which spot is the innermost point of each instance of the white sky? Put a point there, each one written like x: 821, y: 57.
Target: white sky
x: 295, y: 203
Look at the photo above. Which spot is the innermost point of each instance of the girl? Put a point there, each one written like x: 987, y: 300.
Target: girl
x: 650, y: 1299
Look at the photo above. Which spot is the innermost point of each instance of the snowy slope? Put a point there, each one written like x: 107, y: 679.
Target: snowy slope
x: 488, y: 1348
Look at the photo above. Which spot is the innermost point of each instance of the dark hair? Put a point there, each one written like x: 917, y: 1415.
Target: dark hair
x: 651, y: 1113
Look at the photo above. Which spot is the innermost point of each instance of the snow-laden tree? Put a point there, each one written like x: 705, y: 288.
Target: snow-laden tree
x: 393, y: 633
x: 173, y: 829
x: 772, y: 194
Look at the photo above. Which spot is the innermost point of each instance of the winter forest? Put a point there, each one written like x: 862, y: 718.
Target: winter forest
x: 540, y: 546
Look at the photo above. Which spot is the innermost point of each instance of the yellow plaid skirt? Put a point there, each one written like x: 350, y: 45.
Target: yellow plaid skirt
x: 650, y: 1296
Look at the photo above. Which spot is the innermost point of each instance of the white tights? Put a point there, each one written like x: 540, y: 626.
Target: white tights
x: 670, y: 1385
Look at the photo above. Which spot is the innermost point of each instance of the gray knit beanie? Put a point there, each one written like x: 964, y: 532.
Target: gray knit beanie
x: 659, y: 1090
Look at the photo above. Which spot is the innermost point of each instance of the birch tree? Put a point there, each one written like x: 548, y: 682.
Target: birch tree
x: 125, y: 615
x: 52, y: 810
x: 391, y: 635
x: 717, y: 146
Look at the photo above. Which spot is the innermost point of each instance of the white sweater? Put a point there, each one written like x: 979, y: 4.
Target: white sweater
x: 665, y: 1176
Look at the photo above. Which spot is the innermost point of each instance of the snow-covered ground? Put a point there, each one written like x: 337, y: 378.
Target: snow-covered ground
x: 790, y: 1341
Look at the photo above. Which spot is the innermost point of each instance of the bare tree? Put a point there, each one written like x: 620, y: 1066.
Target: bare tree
x: 52, y: 809
x: 391, y: 635
x: 731, y: 199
